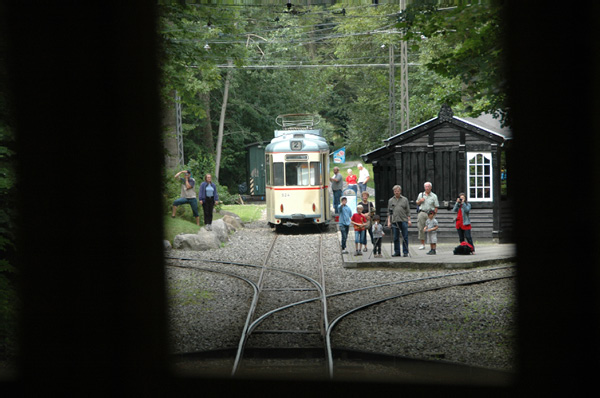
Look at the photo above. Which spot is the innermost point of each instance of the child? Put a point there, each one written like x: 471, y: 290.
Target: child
x: 377, y: 235
x: 344, y: 223
x: 431, y: 227
x: 359, y: 221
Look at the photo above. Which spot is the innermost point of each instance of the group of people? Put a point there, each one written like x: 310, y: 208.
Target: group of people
x: 354, y: 183
x: 399, y: 219
x: 363, y: 220
x: 207, y: 196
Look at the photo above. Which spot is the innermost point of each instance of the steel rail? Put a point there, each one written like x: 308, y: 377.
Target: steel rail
x: 326, y: 340
x: 249, y: 328
x: 254, y: 286
x: 351, y: 290
x: 364, y: 306
x: 322, y: 296
x: 251, y: 311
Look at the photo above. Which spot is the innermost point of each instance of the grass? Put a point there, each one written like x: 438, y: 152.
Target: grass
x: 181, y: 225
x: 182, y: 293
x: 176, y: 226
x: 247, y: 213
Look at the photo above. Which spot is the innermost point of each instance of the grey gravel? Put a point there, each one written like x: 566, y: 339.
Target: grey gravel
x: 473, y: 324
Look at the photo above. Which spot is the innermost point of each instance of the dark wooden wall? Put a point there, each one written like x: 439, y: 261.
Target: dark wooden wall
x: 438, y: 155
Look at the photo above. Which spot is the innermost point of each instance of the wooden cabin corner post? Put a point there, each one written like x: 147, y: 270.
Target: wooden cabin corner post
x: 398, y: 166
x: 431, y: 158
x: 496, y: 192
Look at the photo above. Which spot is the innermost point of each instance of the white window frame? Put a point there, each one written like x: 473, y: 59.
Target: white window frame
x: 480, y: 180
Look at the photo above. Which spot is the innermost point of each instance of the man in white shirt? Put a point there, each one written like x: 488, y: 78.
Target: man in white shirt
x: 363, y: 178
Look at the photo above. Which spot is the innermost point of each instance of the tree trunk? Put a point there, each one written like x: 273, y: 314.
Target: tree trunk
x: 207, y: 135
x: 222, y: 122
x: 170, y: 134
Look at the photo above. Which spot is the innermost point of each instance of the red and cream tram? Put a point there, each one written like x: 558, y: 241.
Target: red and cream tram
x: 297, y: 173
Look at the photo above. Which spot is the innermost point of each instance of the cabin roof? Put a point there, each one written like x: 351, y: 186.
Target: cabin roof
x: 484, y: 125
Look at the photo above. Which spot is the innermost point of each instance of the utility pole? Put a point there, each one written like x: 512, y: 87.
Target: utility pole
x: 392, y: 92
x: 404, y: 108
x: 222, y: 122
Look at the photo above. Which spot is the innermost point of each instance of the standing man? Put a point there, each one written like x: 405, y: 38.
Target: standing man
x: 188, y: 194
x: 399, y: 220
x: 337, y: 184
x: 426, y: 201
x: 363, y: 178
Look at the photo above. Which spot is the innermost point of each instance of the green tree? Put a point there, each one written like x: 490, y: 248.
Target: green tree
x: 464, y: 44
x: 454, y: 53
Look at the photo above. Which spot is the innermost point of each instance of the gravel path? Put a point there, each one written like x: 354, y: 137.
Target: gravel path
x: 472, y: 324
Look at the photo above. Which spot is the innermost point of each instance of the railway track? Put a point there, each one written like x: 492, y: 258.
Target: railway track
x: 277, y: 294
x: 292, y: 314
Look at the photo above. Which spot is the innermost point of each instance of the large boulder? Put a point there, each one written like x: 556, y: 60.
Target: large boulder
x: 203, y: 240
x: 234, y: 223
x: 221, y: 229
x: 231, y: 214
x: 212, y: 237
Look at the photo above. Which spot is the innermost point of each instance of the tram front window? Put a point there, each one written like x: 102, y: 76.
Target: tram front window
x: 297, y: 174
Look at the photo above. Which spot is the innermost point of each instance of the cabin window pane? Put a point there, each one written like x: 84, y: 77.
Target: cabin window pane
x: 480, y: 176
x: 277, y: 173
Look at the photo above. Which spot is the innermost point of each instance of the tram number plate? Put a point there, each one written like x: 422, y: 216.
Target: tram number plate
x: 285, y: 195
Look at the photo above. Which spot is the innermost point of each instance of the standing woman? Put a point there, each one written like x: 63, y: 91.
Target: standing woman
x: 208, y: 198
x: 463, y: 222
x: 352, y: 181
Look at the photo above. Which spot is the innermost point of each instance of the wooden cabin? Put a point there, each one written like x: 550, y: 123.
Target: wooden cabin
x: 255, y: 170
x: 455, y: 154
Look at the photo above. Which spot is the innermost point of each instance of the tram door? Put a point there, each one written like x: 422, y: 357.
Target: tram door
x: 325, y: 178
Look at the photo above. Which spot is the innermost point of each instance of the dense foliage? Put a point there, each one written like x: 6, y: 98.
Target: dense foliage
x: 322, y: 60
x: 455, y: 57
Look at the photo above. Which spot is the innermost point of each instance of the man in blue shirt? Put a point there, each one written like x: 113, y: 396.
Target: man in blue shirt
x: 344, y: 223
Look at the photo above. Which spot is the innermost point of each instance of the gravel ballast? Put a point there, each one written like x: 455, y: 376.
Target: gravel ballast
x: 472, y: 325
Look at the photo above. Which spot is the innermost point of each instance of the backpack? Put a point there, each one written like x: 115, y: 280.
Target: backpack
x: 463, y: 248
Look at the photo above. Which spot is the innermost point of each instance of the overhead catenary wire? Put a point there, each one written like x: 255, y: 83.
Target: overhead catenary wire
x: 296, y: 41
x: 314, y: 66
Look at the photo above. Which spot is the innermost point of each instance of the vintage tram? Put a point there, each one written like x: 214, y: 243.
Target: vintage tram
x: 297, y: 173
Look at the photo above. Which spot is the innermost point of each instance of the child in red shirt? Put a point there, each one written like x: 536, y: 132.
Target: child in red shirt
x: 359, y: 221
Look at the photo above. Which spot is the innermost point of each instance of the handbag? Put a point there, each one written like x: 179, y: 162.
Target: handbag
x: 369, y: 220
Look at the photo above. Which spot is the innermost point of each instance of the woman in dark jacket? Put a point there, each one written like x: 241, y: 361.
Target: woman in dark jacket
x: 463, y: 222
x: 208, y: 198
